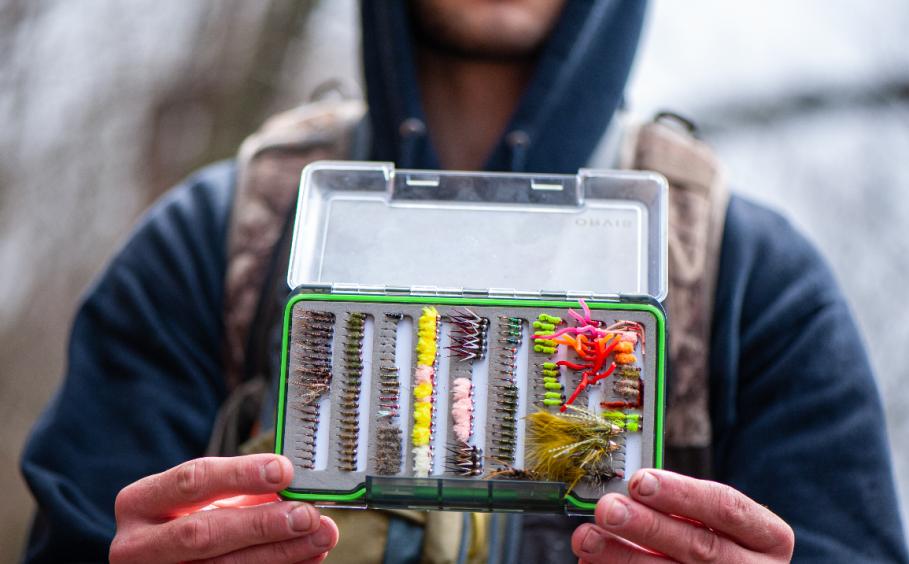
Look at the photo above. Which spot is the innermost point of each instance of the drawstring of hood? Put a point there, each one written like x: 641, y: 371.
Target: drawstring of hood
x: 518, y: 142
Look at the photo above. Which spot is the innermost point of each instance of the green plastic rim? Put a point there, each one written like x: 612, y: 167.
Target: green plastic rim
x: 354, y: 496
x: 360, y: 491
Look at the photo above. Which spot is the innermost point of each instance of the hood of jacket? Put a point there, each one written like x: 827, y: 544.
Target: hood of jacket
x: 576, y: 88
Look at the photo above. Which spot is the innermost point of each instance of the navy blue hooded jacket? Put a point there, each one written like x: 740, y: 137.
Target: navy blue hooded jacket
x: 797, y: 421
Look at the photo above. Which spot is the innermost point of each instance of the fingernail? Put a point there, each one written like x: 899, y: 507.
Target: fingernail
x: 323, y: 537
x: 301, y: 519
x: 648, y: 484
x: 593, y: 542
x: 273, y: 472
x: 616, y: 513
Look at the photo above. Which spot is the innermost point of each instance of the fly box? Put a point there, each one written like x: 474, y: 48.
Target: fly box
x: 473, y: 341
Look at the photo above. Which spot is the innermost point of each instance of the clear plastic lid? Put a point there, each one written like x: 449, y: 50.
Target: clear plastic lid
x: 367, y: 226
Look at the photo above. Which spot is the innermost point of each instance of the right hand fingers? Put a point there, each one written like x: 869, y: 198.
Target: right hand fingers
x: 244, y: 500
x: 207, y: 534
x: 310, y: 549
x: 197, y: 483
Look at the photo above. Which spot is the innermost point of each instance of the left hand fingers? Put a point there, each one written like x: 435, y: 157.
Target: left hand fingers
x: 680, y: 540
x: 594, y: 545
x: 718, y: 506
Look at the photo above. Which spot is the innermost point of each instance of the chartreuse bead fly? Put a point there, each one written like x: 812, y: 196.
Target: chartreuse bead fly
x: 628, y: 421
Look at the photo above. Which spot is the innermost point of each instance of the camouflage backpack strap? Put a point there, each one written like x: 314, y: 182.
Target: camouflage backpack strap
x: 268, y: 175
x: 698, y: 198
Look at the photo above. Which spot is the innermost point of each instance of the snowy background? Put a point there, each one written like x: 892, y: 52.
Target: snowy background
x: 105, y: 103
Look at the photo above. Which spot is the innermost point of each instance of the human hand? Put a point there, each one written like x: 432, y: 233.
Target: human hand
x: 685, y: 519
x: 219, y: 510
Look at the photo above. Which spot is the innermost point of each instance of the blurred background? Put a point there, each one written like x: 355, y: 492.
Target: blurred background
x: 104, y: 104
